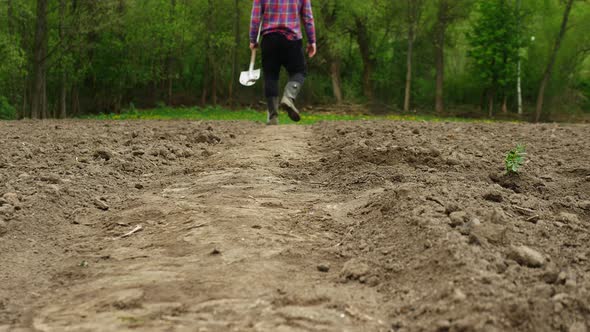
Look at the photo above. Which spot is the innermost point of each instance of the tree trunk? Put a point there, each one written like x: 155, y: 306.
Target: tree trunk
x: 209, y: 77
x: 234, y: 65
x: 519, y: 89
x: 553, y: 56
x: 413, y: 17
x: 336, y: 81
x: 10, y: 18
x: 38, y: 95
x: 170, y: 61
x: 75, y: 106
x: 12, y: 88
x: 491, y: 96
x: 25, y: 111
x: 214, y: 85
x: 365, y: 49
x: 505, y: 104
x: 439, y: 48
x: 518, y: 67
x: 329, y: 18
x: 63, y: 84
x: 205, y: 82
x: 409, y: 68
x: 44, y: 110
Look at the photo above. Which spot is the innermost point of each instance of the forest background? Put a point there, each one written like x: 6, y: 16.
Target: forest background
x: 68, y: 58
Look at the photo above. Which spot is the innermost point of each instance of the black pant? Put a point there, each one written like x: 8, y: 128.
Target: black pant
x: 279, y: 51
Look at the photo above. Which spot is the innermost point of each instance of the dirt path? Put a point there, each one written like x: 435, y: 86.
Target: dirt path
x: 221, y: 250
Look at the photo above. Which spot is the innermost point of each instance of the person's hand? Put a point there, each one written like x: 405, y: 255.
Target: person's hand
x: 253, y: 46
x: 311, y: 50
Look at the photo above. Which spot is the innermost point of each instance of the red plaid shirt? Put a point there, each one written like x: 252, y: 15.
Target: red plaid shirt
x: 283, y: 16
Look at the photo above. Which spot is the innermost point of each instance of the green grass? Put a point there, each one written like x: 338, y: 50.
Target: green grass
x: 218, y: 113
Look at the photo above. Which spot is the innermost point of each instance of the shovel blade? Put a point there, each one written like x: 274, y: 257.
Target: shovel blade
x: 249, y: 78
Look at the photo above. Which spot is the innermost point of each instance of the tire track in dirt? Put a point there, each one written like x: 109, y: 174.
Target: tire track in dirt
x: 225, y: 249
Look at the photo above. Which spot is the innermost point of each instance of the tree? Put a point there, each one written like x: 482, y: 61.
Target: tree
x: 328, y: 18
x: 63, y: 83
x: 39, y: 92
x: 234, y: 63
x: 448, y: 13
x: 494, y: 47
x: 414, y: 8
x: 552, y: 57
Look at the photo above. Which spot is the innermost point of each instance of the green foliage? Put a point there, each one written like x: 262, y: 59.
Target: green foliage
x: 495, y: 43
x: 7, y: 112
x: 12, y: 63
x: 515, y: 159
x: 112, y: 52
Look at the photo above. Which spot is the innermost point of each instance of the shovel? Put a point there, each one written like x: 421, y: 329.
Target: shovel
x: 249, y: 78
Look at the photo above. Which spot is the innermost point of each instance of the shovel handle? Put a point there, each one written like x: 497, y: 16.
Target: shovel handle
x: 252, y: 60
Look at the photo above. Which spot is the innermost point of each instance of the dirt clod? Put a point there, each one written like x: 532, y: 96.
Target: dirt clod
x: 578, y: 327
x: 12, y: 199
x: 354, y: 269
x: 494, y: 196
x: 3, y: 227
x: 6, y: 209
x: 458, y: 218
x: 103, y: 154
x: 568, y: 218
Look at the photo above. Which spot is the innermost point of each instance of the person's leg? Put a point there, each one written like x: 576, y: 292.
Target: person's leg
x: 271, y: 68
x: 295, y: 64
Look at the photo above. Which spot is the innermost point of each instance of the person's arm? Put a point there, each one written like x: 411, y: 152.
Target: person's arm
x: 307, y: 16
x: 256, y: 17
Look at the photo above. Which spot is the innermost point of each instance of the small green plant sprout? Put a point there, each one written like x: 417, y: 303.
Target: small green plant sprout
x: 515, y: 159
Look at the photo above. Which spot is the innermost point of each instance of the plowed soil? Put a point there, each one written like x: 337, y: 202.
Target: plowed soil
x: 233, y: 226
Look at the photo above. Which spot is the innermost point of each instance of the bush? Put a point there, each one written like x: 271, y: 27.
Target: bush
x: 7, y: 112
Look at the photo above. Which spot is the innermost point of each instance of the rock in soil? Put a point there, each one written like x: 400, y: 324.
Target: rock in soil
x: 551, y: 275
x: 526, y: 256
x: 100, y: 204
x: 323, y: 267
x: 459, y: 296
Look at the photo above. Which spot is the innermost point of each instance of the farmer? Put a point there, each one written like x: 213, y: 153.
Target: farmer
x: 282, y: 46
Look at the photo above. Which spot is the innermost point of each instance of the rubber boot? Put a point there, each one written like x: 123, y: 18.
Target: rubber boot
x: 292, y: 89
x: 273, y: 111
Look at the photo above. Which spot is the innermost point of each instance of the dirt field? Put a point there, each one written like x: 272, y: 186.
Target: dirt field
x: 376, y: 226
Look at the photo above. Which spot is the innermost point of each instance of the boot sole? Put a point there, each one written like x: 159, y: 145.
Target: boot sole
x: 293, y: 114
